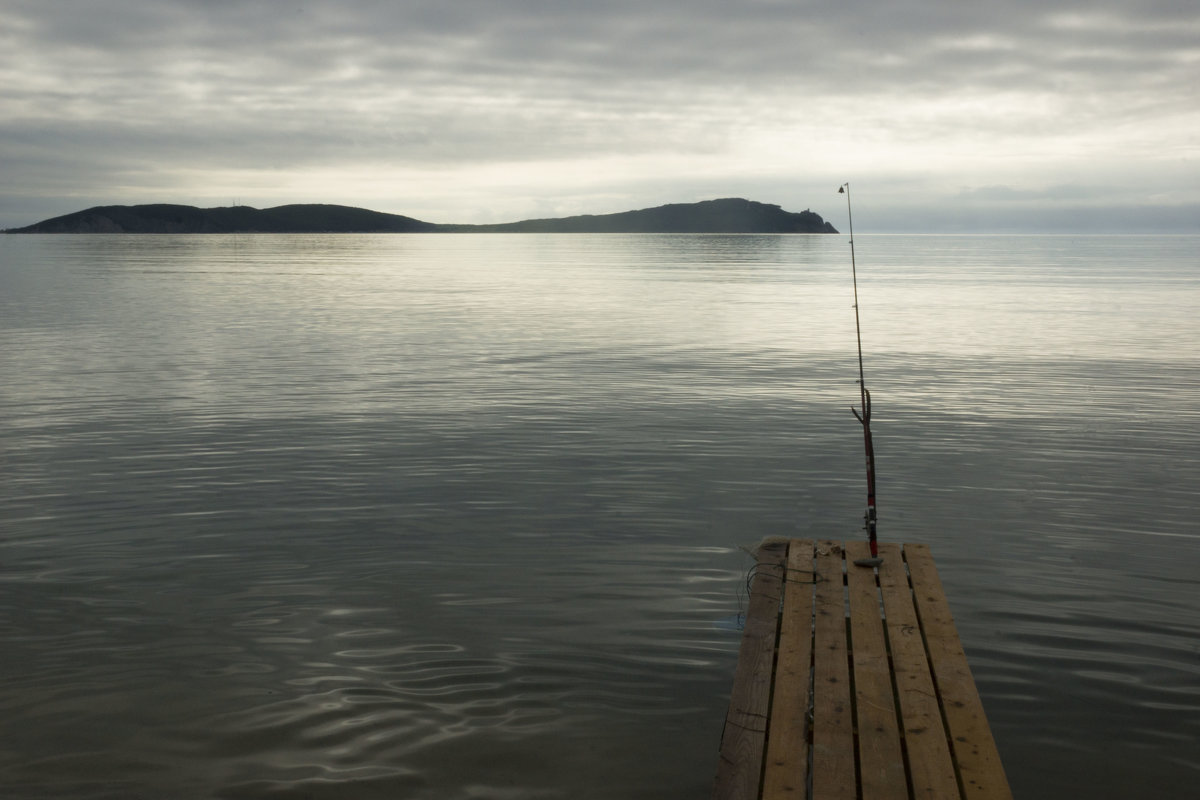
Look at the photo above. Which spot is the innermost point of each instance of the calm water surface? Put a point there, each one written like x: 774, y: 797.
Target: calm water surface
x: 456, y: 517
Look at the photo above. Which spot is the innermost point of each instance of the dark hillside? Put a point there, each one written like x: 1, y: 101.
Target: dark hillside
x: 237, y: 219
x: 732, y: 215
x: 710, y: 216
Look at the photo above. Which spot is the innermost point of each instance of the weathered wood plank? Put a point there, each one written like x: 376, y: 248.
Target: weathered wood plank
x: 929, y: 764
x: 881, y: 762
x: 980, y: 771
x: 739, y: 770
x: 833, y: 724
x: 786, y: 774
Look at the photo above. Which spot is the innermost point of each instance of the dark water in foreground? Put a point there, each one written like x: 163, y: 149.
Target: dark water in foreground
x: 456, y: 517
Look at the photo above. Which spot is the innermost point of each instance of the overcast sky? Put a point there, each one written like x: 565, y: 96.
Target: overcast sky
x: 945, y: 116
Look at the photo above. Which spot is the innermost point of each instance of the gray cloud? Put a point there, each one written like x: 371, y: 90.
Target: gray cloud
x: 511, y: 100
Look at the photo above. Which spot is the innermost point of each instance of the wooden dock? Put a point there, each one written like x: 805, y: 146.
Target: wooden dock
x: 852, y: 683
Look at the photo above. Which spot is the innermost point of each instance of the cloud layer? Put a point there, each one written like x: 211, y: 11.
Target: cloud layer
x: 478, y: 111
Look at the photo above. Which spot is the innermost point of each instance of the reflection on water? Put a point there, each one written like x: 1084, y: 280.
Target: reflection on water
x: 459, y: 516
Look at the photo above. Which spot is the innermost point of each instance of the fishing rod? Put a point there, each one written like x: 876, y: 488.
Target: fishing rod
x: 865, y: 417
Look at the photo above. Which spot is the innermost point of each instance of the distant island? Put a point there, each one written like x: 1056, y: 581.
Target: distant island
x: 730, y: 215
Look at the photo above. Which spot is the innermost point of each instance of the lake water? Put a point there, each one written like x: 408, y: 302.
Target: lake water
x: 459, y: 517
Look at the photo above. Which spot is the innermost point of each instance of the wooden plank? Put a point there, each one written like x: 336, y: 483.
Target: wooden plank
x: 739, y: 770
x: 881, y: 762
x: 978, y: 762
x: 833, y: 724
x: 786, y: 774
x: 929, y: 763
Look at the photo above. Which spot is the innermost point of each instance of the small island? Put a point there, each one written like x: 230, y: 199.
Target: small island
x: 729, y: 215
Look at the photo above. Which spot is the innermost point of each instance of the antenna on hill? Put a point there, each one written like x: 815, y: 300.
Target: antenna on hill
x: 865, y: 417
